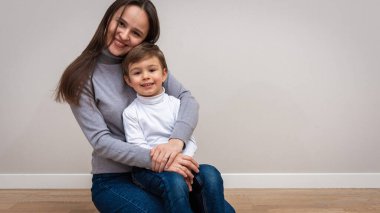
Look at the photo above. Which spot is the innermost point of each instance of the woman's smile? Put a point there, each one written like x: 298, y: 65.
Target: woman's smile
x: 119, y: 44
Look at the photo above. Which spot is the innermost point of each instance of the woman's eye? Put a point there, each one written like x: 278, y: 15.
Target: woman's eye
x: 121, y: 24
x: 137, y: 34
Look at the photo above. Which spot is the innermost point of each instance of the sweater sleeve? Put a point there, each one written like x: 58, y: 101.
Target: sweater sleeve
x: 188, y: 111
x: 105, y: 143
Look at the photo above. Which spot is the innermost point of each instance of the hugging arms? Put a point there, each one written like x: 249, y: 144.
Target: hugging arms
x: 102, y: 126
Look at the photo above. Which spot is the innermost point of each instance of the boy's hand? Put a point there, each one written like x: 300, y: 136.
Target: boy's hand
x: 163, y: 155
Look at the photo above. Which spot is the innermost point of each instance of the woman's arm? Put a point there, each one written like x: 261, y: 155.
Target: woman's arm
x: 104, y: 143
x: 188, y: 112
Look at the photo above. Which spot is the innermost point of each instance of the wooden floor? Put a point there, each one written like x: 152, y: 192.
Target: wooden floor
x: 244, y: 200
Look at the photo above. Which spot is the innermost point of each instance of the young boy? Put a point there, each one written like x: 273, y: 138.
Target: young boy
x: 149, y: 121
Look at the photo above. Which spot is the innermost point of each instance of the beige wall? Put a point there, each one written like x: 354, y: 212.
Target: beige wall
x: 284, y: 86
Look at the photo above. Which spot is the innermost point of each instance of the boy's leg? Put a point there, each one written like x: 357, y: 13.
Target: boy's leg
x: 208, y: 191
x: 169, y: 186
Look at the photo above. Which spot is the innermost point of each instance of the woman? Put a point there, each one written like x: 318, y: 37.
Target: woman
x: 93, y: 86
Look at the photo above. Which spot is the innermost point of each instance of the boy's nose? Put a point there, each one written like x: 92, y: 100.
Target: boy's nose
x: 145, y: 75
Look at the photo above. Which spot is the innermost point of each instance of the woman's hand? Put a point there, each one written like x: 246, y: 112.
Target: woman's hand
x: 184, y: 165
x: 163, y: 155
x: 189, y: 183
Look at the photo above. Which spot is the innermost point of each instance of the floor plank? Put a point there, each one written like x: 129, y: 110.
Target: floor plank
x: 305, y: 200
x: 244, y: 200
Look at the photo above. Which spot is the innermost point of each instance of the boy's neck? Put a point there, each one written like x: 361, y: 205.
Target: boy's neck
x: 151, y: 99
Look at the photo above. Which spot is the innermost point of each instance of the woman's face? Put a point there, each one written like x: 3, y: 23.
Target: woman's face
x: 127, y: 30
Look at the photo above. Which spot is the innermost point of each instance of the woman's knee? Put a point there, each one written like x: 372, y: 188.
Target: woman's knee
x: 117, y: 194
x: 209, y: 171
x: 209, y: 174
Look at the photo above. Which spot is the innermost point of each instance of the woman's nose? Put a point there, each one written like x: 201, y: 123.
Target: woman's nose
x: 125, y: 34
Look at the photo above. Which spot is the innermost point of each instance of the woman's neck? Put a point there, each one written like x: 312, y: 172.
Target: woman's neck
x: 107, y: 58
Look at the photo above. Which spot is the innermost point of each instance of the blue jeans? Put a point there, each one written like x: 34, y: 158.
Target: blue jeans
x: 115, y: 192
x: 207, y: 195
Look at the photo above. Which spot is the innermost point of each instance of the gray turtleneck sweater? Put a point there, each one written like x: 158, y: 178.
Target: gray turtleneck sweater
x: 99, y: 115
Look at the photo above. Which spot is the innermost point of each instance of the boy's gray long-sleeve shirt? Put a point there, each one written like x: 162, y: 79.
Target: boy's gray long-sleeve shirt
x: 100, y: 117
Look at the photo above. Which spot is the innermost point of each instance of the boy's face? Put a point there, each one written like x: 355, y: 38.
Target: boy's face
x: 146, y: 76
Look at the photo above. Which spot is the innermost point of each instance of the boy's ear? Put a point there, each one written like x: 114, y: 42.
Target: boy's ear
x: 126, y: 79
x: 165, y: 74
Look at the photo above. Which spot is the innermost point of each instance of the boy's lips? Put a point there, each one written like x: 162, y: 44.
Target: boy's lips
x: 147, y: 84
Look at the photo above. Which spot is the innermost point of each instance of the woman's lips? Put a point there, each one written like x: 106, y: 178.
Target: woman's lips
x: 119, y: 44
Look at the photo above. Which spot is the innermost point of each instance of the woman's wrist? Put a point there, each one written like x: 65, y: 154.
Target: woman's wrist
x: 177, y: 143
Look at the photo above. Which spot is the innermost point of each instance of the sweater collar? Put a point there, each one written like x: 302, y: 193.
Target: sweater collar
x: 107, y: 58
x: 153, y: 99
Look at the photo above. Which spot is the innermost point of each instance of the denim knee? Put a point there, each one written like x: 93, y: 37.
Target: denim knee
x: 175, y: 183
x: 209, y: 175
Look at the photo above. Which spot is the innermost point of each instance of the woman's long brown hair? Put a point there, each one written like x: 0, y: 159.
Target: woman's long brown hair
x: 78, y: 73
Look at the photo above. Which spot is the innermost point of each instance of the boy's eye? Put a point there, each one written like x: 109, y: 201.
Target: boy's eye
x: 152, y: 70
x: 136, y: 73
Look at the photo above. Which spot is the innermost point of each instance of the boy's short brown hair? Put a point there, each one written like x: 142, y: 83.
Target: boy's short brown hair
x: 140, y: 52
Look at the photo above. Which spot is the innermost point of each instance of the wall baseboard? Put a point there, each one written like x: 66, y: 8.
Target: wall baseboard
x: 231, y: 180
x: 302, y: 180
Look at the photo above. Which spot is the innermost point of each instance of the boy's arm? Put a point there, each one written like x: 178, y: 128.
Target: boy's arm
x: 132, y: 129
x: 163, y: 155
x: 191, y: 147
